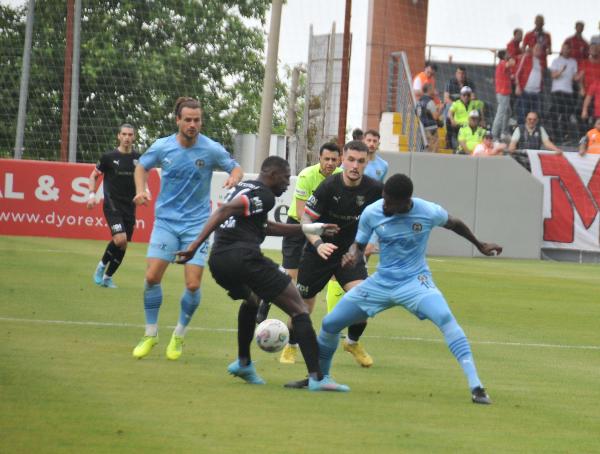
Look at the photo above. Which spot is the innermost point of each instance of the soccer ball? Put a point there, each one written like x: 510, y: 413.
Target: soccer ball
x: 272, y: 335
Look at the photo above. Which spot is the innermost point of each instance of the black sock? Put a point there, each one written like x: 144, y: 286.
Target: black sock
x: 115, y: 261
x: 111, y: 248
x: 356, y: 330
x: 293, y: 340
x: 307, y: 338
x: 246, y: 326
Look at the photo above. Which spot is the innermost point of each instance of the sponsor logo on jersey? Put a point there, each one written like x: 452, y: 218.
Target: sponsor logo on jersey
x: 116, y: 162
x: 417, y: 227
x: 360, y: 200
x: 200, y: 163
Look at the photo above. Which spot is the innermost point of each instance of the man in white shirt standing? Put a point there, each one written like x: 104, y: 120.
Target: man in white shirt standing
x: 563, y: 71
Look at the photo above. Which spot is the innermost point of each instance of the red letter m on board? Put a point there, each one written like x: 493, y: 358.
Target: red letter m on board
x: 568, y: 194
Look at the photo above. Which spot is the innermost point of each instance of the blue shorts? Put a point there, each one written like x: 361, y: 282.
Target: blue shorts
x: 167, y: 239
x: 375, y: 294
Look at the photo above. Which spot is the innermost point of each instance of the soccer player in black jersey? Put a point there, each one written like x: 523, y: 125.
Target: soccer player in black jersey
x: 238, y: 265
x: 117, y: 167
x: 340, y: 199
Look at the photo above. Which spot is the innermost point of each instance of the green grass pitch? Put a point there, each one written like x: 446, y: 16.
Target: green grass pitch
x: 68, y: 382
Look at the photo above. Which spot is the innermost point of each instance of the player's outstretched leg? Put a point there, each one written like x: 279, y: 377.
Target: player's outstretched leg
x: 152, y: 303
x: 435, y: 308
x: 190, y: 300
x: 243, y: 367
x: 334, y: 294
x: 354, y: 347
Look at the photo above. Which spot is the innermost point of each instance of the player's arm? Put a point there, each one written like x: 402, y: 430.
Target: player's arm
x: 354, y: 254
x: 236, y: 207
x: 323, y: 249
x: 317, y: 228
x: 235, y: 176
x: 460, y: 228
x: 140, y: 176
x: 92, y: 187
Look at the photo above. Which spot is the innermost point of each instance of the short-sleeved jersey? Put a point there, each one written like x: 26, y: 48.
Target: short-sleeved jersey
x: 402, y: 237
x: 306, y: 183
x: 186, y: 175
x: 334, y: 202
x: 247, y: 230
x: 377, y: 168
x: 119, y: 185
x: 470, y: 137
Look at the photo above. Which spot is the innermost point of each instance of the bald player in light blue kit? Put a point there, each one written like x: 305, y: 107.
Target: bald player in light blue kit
x: 403, y: 224
x: 187, y: 160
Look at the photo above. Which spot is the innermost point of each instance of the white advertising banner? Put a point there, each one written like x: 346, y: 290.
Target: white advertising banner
x: 571, y: 199
x: 277, y: 214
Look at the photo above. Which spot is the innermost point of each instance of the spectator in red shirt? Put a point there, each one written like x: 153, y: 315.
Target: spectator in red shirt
x: 539, y: 36
x: 590, y: 68
x: 592, y: 92
x: 513, y: 48
x: 503, y: 92
x: 580, y: 49
x: 528, y: 82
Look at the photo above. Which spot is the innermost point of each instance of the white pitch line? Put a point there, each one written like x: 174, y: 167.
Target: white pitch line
x: 233, y: 330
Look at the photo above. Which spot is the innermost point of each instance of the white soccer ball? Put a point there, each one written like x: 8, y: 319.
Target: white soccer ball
x: 272, y: 335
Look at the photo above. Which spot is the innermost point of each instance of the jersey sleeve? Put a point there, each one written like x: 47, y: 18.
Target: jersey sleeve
x: 102, y: 164
x: 365, y: 230
x: 223, y: 159
x: 439, y: 216
x: 151, y: 158
x: 317, y: 203
x: 257, y: 202
x: 302, y: 190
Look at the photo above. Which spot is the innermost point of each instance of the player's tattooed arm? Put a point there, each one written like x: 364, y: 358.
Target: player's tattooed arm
x: 354, y: 254
x: 460, y: 228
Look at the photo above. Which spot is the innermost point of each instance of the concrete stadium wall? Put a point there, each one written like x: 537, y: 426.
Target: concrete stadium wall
x: 496, y: 197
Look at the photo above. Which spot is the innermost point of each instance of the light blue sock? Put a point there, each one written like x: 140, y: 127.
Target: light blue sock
x: 327, y: 346
x: 152, y: 301
x: 189, y: 303
x: 459, y: 346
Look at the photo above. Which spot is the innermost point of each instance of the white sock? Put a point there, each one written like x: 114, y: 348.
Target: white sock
x: 350, y: 341
x: 102, y: 264
x: 180, y: 330
x: 151, y: 330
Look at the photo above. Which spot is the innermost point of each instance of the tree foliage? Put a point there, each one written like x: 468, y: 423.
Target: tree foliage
x: 136, y: 59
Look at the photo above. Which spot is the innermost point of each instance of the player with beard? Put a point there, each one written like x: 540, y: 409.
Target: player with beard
x: 340, y: 199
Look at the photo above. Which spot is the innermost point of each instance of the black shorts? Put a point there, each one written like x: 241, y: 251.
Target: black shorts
x: 120, y: 221
x: 314, y: 272
x: 291, y: 248
x: 241, y: 270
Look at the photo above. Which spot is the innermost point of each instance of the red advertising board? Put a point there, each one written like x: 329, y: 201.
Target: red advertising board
x: 49, y: 199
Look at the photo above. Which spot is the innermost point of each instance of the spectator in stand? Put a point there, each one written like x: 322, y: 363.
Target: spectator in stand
x: 513, y: 48
x: 590, y: 143
x: 503, y: 92
x: 592, y: 92
x: 563, y: 72
x: 580, y: 49
x: 540, y: 37
x: 452, y: 93
x: 528, y: 82
x: 427, y: 76
x: 357, y: 134
x: 531, y: 136
x: 488, y: 147
x: 459, y: 114
x: 591, y: 67
x: 429, y: 115
x: 471, y: 134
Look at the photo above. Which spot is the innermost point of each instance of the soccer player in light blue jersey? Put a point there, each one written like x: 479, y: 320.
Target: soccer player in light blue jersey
x: 187, y: 160
x: 403, y: 224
